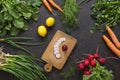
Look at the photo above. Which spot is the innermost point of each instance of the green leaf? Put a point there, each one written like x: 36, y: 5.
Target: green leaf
x: 3, y: 32
x: 35, y: 17
x: 1, y: 27
x: 27, y: 15
x: 37, y: 3
x: 14, y: 31
x: 69, y: 74
x: 25, y: 27
x: 7, y: 16
x: 86, y: 77
x: 18, y: 23
x: 12, y: 11
x: 8, y: 27
x: 35, y: 10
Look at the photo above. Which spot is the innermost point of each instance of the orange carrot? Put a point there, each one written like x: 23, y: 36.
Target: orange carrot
x: 111, y: 46
x: 113, y: 37
x: 55, y: 5
x: 47, y: 5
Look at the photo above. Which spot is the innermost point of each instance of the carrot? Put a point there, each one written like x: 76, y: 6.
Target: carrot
x: 55, y: 5
x: 111, y: 46
x: 47, y: 5
x: 113, y: 37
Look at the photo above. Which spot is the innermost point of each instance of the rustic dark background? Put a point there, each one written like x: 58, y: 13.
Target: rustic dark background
x: 87, y: 43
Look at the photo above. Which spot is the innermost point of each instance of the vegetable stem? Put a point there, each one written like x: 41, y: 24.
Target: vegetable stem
x: 30, y: 44
x: 19, y: 38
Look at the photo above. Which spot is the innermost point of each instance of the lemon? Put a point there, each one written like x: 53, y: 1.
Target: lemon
x: 42, y: 31
x: 50, y: 21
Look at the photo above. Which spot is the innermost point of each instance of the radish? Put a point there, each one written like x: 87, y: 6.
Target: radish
x: 93, y: 63
x: 90, y: 57
x: 81, y: 66
x: 96, y: 55
x: 87, y: 72
x: 64, y: 47
x: 86, y: 69
x: 86, y: 62
x: 101, y: 60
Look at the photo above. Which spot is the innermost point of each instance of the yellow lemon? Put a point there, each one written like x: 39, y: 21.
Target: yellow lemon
x: 42, y: 31
x: 50, y: 21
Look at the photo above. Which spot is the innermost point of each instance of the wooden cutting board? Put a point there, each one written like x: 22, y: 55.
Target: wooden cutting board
x: 49, y: 57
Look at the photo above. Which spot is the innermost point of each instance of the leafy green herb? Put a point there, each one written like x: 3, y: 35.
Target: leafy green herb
x: 70, y: 13
x: 99, y: 73
x: 69, y: 74
x: 14, y: 15
x: 23, y: 67
x: 106, y: 12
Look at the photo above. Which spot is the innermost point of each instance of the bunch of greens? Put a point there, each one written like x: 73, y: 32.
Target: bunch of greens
x: 106, y: 12
x: 69, y: 74
x: 23, y: 67
x: 18, y: 41
x: 14, y: 15
x: 70, y: 13
x: 99, y: 73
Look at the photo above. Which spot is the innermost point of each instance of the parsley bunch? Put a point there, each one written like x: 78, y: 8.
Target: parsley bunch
x: 106, y: 12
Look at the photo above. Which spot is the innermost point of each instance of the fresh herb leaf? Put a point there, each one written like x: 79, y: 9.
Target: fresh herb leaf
x: 14, y: 31
x: 106, y: 12
x: 69, y: 74
x: 18, y: 23
x: 70, y: 13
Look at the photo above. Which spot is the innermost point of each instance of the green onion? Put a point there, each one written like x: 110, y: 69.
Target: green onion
x: 30, y: 44
x: 13, y: 41
x: 23, y: 67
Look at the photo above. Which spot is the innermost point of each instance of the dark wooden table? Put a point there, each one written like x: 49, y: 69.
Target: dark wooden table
x: 87, y: 43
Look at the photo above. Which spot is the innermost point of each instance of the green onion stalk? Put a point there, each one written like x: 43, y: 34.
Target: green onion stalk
x: 18, y: 41
x: 23, y: 67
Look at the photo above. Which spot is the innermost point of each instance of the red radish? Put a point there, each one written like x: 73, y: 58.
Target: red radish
x: 90, y: 57
x: 87, y: 72
x: 64, y: 47
x: 81, y: 66
x: 86, y: 62
x: 101, y: 60
x: 86, y: 69
x: 96, y: 55
x: 93, y: 63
